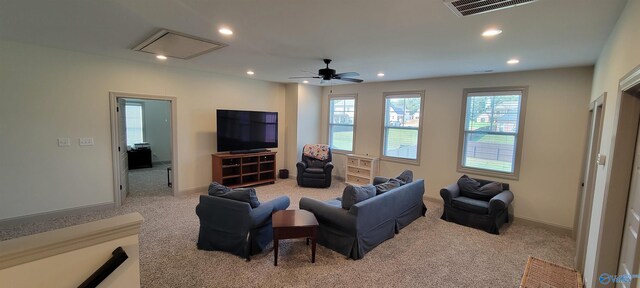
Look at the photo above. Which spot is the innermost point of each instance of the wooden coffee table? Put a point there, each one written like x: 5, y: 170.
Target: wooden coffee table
x: 289, y: 224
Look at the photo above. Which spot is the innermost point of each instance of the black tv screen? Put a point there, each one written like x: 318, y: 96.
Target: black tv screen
x: 246, y: 130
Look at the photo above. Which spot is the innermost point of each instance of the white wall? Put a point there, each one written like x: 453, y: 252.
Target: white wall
x: 620, y: 55
x: 554, y: 135
x: 51, y: 93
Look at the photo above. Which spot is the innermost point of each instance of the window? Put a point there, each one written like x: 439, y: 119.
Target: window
x: 491, y: 134
x: 342, y: 116
x: 134, y: 123
x: 402, y: 114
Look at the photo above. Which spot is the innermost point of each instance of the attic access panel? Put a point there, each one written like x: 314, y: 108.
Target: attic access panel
x: 177, y: 45
x: 474, y: 7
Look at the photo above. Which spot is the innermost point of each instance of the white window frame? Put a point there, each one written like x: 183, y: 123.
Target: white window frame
x: 519, y: 135
x: 402, y: 94
x: 142, y: 118
x: 355, y: 117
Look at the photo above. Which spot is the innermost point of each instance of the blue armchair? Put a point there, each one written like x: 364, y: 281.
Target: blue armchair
x: 487, y: 215
x: 233, y: 226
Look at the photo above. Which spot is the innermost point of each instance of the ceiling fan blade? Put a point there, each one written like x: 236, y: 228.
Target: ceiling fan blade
x: 303, y: 77
x: 348, y: 74
x: 350, y: 80
x: 323, y: 81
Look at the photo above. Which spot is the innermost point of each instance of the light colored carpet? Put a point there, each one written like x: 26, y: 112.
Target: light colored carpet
x: 428, y: 253
x: 149, y: 181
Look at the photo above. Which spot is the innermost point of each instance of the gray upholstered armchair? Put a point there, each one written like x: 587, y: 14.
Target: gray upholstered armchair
x: 487, y: 214
x: 233, y: 226
x: 314, y: 172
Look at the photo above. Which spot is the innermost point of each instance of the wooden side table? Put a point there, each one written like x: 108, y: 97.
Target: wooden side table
x: 290, y: 224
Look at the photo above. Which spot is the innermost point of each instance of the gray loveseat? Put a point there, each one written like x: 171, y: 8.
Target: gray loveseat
x: 366, y: 224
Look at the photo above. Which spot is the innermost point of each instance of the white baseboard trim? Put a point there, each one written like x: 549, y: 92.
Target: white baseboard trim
x: 196, y: 190
x: 14, y: 221
x: 554, y: 227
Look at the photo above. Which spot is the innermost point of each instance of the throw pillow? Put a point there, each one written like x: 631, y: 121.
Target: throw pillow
x: 217, y: 189
x: 405, y: 177
x: 468, y: 186
x: 387, y: 186
x: 471, y: 188
x: 244, y: 195
x: 491, y: 189
x: 354, y: 194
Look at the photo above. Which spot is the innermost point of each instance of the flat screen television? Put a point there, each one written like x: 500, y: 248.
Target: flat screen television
x: 246, y: 131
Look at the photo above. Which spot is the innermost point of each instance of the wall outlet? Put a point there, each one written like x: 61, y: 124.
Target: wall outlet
x: 64, y: 142
x: 86, y: 141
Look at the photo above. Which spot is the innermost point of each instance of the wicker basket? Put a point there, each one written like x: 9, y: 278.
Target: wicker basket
x: 543, y: 274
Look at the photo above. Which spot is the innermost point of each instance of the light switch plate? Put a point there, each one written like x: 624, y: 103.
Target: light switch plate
x: 86, y: 141
x: 64, y: 142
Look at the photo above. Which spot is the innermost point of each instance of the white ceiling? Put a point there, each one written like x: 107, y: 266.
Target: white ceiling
x: 405, y: 39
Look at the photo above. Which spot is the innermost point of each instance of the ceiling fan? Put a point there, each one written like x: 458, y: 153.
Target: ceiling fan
x: 327, y: 74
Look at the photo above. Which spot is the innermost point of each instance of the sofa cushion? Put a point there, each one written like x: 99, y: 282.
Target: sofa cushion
x: 354, y: 194
x: 217, y: 189
x: 468, y: 186
x: 313, y: 163
x: 491, y: 189
x: 317, y: 176
x: 471, y: 205
x: 471, y: 188
x: 405, y: 177
x: 314, y: 170
x: 387, y: 186
x: 240, y: 194
x: 335, y: 202
x: 244, y: 195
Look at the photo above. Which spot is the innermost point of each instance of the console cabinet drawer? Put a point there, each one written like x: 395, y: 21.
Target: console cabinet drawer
x: 360, y: 169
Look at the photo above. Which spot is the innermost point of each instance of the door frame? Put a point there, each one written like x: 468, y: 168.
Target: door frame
x: 115, y: 138
x: 585, y: 198
x: 618, y: 175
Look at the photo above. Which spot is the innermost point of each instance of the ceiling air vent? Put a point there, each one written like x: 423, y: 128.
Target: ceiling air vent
x: 474, y: 7
x: 177, y: 45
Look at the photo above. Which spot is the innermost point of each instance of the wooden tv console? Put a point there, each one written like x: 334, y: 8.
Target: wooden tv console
x: 241, y: 170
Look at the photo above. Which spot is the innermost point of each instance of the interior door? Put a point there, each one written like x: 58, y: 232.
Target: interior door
x: 122, y: 150
x: 629, y: 256
x: 585, y: 202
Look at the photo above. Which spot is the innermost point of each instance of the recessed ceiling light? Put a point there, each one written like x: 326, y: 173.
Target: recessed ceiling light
x: 380, y: 74
x: 161, y: 57
x: 491, y: 32
x: 225, y: 31
x: 513, y: 61
x: 305, y: 81
x: 250, y: 72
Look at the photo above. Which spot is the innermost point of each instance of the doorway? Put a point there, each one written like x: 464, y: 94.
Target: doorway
x: 618, y: 210
x: 144, y: 145
x: 629, y: 259
x: 585, y: 200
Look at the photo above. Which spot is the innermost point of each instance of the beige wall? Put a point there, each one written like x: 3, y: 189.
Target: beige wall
x: 554, y: 135
x: 309, y: 109
x: 620, y: 55
x: 291, y: 110
x: 303, y: 107
x: 51, y: 93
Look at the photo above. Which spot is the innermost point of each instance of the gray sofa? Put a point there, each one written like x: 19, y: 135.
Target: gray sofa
x: 366, y: 224
x: 233, y: 226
